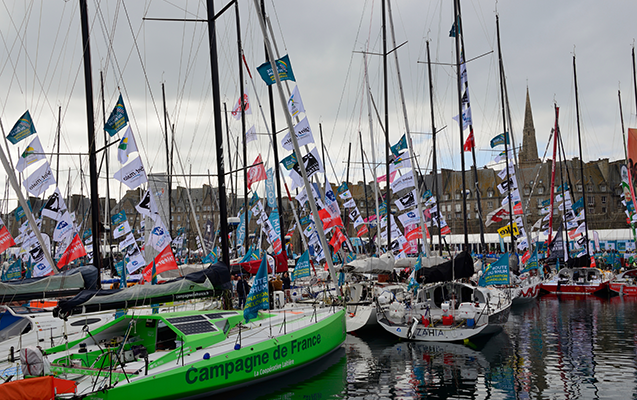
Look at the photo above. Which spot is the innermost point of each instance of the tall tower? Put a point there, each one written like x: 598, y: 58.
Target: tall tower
x: 529, y: 143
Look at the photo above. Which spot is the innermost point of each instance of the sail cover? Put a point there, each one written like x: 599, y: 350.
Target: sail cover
x: 462, y: 266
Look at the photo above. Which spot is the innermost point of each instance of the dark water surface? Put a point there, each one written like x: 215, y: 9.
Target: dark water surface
x: 580, y: 347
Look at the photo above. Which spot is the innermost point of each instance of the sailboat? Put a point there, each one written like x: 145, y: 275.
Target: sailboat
x: 445, y: 308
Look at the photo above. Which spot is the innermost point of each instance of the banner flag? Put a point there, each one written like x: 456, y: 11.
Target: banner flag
x: 33, y: 153
x: 236, y: 111
x: 6, y: 240
x: 257, y: 172
x: 132, y: 174
x: 251, y: 135
x: 496, y: 273
x: 303, y: 135
x: 258, y: 298
x: 147, y: 206
x: 165, y: 261
x: 117, y: 119
x: 126, y: 146
x: 302, y: 268
x: 23, y: 128
x: 74, y: 251
x: 40, y: 180
x: 283, y: 67
x: 401, y: 145
x: 498, y: 140
x: 295, y: 104
x: 54, y: 206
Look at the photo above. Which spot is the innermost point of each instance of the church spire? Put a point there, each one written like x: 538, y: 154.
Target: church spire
x: 529, y: 143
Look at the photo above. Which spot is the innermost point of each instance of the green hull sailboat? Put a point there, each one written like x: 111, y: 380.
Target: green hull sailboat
x: 193, y: 353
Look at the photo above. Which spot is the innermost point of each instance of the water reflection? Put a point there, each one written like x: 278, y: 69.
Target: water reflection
x: 556, y: 348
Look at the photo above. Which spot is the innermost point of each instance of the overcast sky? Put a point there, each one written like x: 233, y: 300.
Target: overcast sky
x: 41, y: 69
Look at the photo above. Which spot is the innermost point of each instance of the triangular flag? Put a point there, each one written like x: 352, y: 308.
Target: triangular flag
x: 126, y: 146
x: 33, y: 153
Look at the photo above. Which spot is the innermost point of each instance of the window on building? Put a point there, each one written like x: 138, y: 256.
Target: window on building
x: 178, y: 209
x: 579, y: 188
x: 591, y: 210
x: 540, y: 190
x: 590, y: 200
x: 603, y: 199
x: 490, y: 204
x: 458, y: 196
x: 178, y: 218
x: 458, y: 208
x: 445, y: 196
x: 603, y: 210
x: 589, y: 188
x: 468, y: 215
x: 468, y: 194
x: 602, y: 188
x: 527, y: 190
x: 477, y: 216
x: 490, y: 193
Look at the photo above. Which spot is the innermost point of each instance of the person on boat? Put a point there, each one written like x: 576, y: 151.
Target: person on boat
x: 243, y: 288
x: 286, y: 285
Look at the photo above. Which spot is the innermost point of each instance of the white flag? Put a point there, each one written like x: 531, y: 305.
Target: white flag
x: 303, y: 135
x: 126, y: 146
x: 128, y: 241
x: 159, y: 236
x: 64, y: 227
x: 132, y: 174
x: 409, y: 218
x: 30, y: 155
x: 121, y: 230
x: 54, y: 206
x: 147, y: 206
x: 251, y: 135
x: 404, y: 182
x: 295, y: 104
x: 135, y: 259
x: 236, y: 111
x: 39, y: 180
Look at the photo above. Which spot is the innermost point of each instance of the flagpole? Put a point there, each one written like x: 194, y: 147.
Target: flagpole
x: 297, y: 150
x: 24, y: 205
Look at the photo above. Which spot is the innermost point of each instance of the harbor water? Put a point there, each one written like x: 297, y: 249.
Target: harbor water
x: 559, y: 347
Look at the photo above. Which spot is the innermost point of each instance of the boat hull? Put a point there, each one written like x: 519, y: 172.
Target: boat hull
x: 237, y: 368
x: 360, y: 316
x: 423, y: 333
x: 552, y: 287
x: 623, y: 289
x: 526, y: 294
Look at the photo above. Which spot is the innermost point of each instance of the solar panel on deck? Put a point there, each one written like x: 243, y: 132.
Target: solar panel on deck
x: 220, y: 315
x: 190, y: 318
x: 194, y: 328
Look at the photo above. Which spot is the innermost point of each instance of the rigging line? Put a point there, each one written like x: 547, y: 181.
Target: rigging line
x: 152, y: 97
x: 19, y: 39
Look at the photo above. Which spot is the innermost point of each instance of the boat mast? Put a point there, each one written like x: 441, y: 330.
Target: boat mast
x: 349, y: 156
x: 214, y: 70
x: 581, y: 160
x: 552, y: 193
x: 408, y: 137
x: 373, y: 163
x: 433, y: 137
x: 386, y: 95
x: 506, y: 141
x: 225, y: 113
x: 275, y: 146
x: 107, y: 203
x: 168, y: 163
x: 630, y: 178
x: 90, y: 125
x: 458, y: 26
x: 243, y: 132
x: 297, y: 150
x: 369, y: 233
x: 474, y: 169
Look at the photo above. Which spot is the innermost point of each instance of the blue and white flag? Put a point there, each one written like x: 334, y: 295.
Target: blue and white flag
x: 270, y: 190
x: 13, y: 272
x: 210, y: 258
x: 258, y: 298
x: 496, y: 273
x: 302, y: 266
x: 532, y: 263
